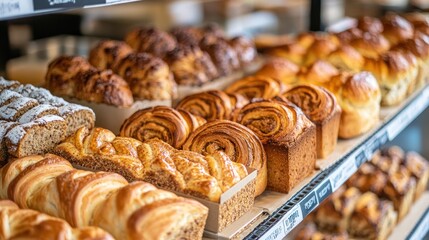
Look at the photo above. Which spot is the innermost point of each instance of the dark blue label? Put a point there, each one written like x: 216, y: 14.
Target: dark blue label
x: 324, y: 191
x: 49, y: 4
x: 308, y: 204
x: 360, y: 158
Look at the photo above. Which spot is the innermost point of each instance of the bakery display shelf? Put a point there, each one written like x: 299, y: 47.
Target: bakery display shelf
x: 286, y: 211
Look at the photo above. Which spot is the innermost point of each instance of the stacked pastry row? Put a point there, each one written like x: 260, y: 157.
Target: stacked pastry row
x: 375, y: 198
x: 49, y: 184
x: 148, y: 65
x: 32, y: 121
x: 16, y: 223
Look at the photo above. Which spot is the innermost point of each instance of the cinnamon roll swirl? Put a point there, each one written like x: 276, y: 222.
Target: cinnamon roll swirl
x: 239, y: 143
x: 209, y: 105
x: 161, y: 122
x: 106, y: 54
x: 257, y: 86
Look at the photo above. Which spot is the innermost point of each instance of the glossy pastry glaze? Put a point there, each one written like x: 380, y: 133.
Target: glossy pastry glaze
x: 257, y: 86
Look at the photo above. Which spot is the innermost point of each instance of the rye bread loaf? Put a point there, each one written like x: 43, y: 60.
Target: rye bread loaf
x: 15, y: 109
x: 5, y: 126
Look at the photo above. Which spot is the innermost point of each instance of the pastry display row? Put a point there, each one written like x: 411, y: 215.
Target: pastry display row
x: 373, y: 200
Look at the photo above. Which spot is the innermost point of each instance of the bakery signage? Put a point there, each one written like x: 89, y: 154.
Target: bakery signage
x: 49, y: 4
x: 324, y: 191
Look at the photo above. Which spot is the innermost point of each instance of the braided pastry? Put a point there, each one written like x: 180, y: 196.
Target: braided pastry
x: 238, y: 142
x: 148, y: 77
x: 161, y: 122
x: 321, y: 107
x: 257, y: 86
x: 151, y: 40
x: 106, y: 54
x: 289, y: 140
x: 49, y: 184
x: 28, y: 224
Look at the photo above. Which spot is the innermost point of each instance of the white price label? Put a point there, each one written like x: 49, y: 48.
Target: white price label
x: 343, y: 172
x: 9, y: 8
x: 275, y: 233
x: 292, y: 219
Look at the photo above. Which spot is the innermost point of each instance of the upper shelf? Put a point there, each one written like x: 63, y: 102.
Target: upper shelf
x: 12, y: 9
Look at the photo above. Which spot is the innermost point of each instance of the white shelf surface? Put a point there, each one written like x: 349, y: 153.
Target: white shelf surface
x: 278, y: 214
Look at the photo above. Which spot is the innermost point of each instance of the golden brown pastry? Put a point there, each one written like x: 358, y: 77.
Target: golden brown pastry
x: 281, y: 69
x: 369, y: 178
x: 224, y: 56
x: 371, y: 45
x: 349, y: 35
x: 103, y: 86
x: 238, y: 101
x: 148, y: 77
x: 190, y: 65
x: 210, y: 105
x: 151, y: 40
x: 320, y: 49
x: 16, y: 223
x: 239, y: 143
x: 334, y: 213
x: 346, y: 58
x: 106, y: 54
x: 370, y: 24
x: 61, y: 74
x: 395, y: 72
x: 289, y: 140
x: 321, y: 107
x: 387, y: 164
x: 372, y: 218
x: 359, y: 98
x: 245, y: 49
x: 50, y: 184
x: 306, y: 39
x: 311, y: 232
x: 293, y: 52
x: 257, y: 86
x: 319, y: 73
x: 396, y: 28
x: 161, y: 122
x: 419, y: 169
x: 187, y: 35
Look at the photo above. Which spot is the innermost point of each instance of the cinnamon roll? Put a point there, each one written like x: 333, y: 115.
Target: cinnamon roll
x: 106, y: 54
x: 148, y: 77
x: 209, y: 105
x: 321, y: 107
x: 257, y: 86
x: 161, y: 122
x: 151, y: 40
x: 238, y: 142
x: 61, y: 74
x: 190, y: 65
x: 289, y: 140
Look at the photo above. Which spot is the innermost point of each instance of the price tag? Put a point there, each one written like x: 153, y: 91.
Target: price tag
x: 309, y: 203
x: 50, y: 4
x: 324, y: 190
x: 343, y: 172
x: 292, y: 219
x: 360, y: 158
x: 422, y: 228
x: 15, y: 7
x: 275, y: 233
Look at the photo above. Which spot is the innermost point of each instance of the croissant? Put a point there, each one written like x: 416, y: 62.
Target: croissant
x: 190, y: 65
x: 16, y: 223
x: 321, y: 107
x: 148, y: 77
x: 258, y: 86
x: 50, y: 184
x: 161, y: 122
x: 106, y: 54
x: 151, y: 40
x: 239, y: 143
x: 210, y: 105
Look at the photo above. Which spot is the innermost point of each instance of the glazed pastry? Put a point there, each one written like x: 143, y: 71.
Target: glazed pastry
x: 191, y: 66
x: 257, y: 86
x: 311, y: 232
x: 245, y: 49
x: 419, y: 169
x: 349, y: 35
x: 148, y: 77
x: 293, y: 52
x: 387, y: 164
x: 50, y: 184
x: 319, y: 73
x: 395, y: 73
x: 106, y: 54
x: 289, y: 140
x: 281, y: 69
x: 346, y: 58
x: 151, y: 40
x: 61, y: 74
x: 370, y: 45
x: 239, y: 143
x: 370, y: 24
x: 369, y: 178
x: 396, y: 28
x: 222, y: 54
x: 372, y: 218
x: 359, y: 98
x: 321, y: 107
x: 161, y: 122
x: 103, y: 87
x: 320, y: 49
x: 334, y: 213
x: 29, y: 224
x: 209, y: 105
